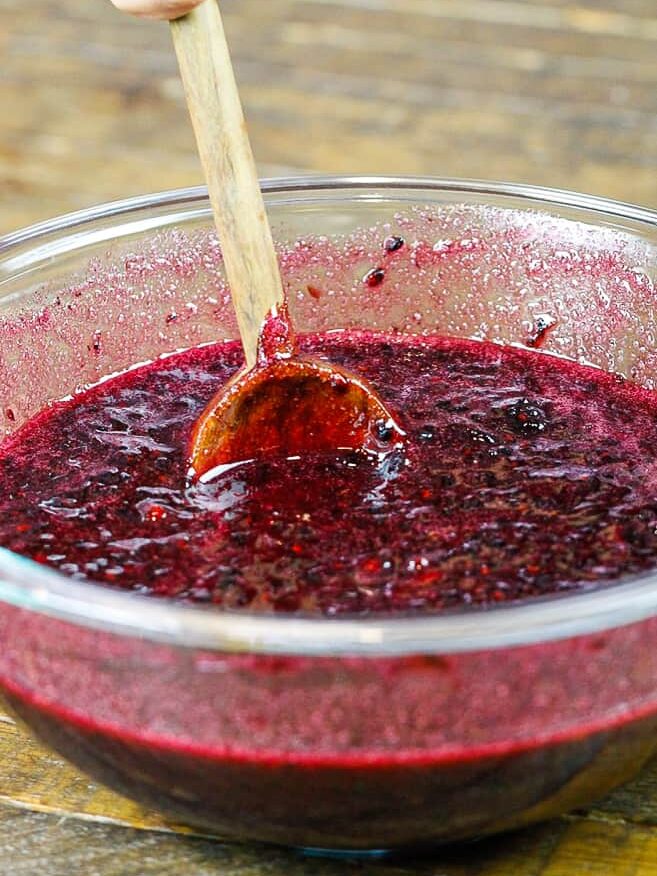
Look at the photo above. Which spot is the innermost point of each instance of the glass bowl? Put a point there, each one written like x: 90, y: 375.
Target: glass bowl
x: 341, y: 734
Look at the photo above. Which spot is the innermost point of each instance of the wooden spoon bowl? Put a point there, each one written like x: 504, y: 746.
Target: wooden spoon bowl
x: 290, y: 404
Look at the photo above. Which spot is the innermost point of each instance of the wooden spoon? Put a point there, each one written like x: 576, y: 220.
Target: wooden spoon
x: 282, y: 402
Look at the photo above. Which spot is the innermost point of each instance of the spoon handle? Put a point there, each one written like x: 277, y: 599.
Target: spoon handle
x: 223, y: 144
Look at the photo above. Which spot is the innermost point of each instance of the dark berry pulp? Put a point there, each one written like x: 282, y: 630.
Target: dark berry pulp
x: 523, y: 475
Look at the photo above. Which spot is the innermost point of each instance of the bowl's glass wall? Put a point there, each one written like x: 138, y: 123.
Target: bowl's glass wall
x: 335, y: 751
x: 78, y: 305
x: 340, y: 752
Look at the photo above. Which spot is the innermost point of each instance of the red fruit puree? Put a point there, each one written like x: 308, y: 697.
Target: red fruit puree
x: 524, y: 475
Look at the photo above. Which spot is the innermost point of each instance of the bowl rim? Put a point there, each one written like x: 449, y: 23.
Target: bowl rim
x: 330, y: 182
x: 30, y: 586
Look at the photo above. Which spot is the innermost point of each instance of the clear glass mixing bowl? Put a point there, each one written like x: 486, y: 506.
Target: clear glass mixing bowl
x: 338, y: 734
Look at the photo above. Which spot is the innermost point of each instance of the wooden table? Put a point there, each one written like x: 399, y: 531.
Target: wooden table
x: 546, y: 91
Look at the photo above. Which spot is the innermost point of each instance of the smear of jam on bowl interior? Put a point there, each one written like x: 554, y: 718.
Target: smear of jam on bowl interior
x: 523, y: 475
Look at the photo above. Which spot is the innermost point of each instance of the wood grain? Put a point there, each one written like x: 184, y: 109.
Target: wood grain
x: 549, y: 92
x: 546, y: 91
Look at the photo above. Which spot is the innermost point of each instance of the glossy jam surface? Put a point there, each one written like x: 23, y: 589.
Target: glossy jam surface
x: 523, y: 475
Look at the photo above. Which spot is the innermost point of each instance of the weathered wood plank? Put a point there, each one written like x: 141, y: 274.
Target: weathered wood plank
x: 33, y: 843
x: 36, y: 778
x: 548, y: 92
x: 599, y: 848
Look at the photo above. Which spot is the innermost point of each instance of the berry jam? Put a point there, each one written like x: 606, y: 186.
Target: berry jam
x: 524, y: 475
